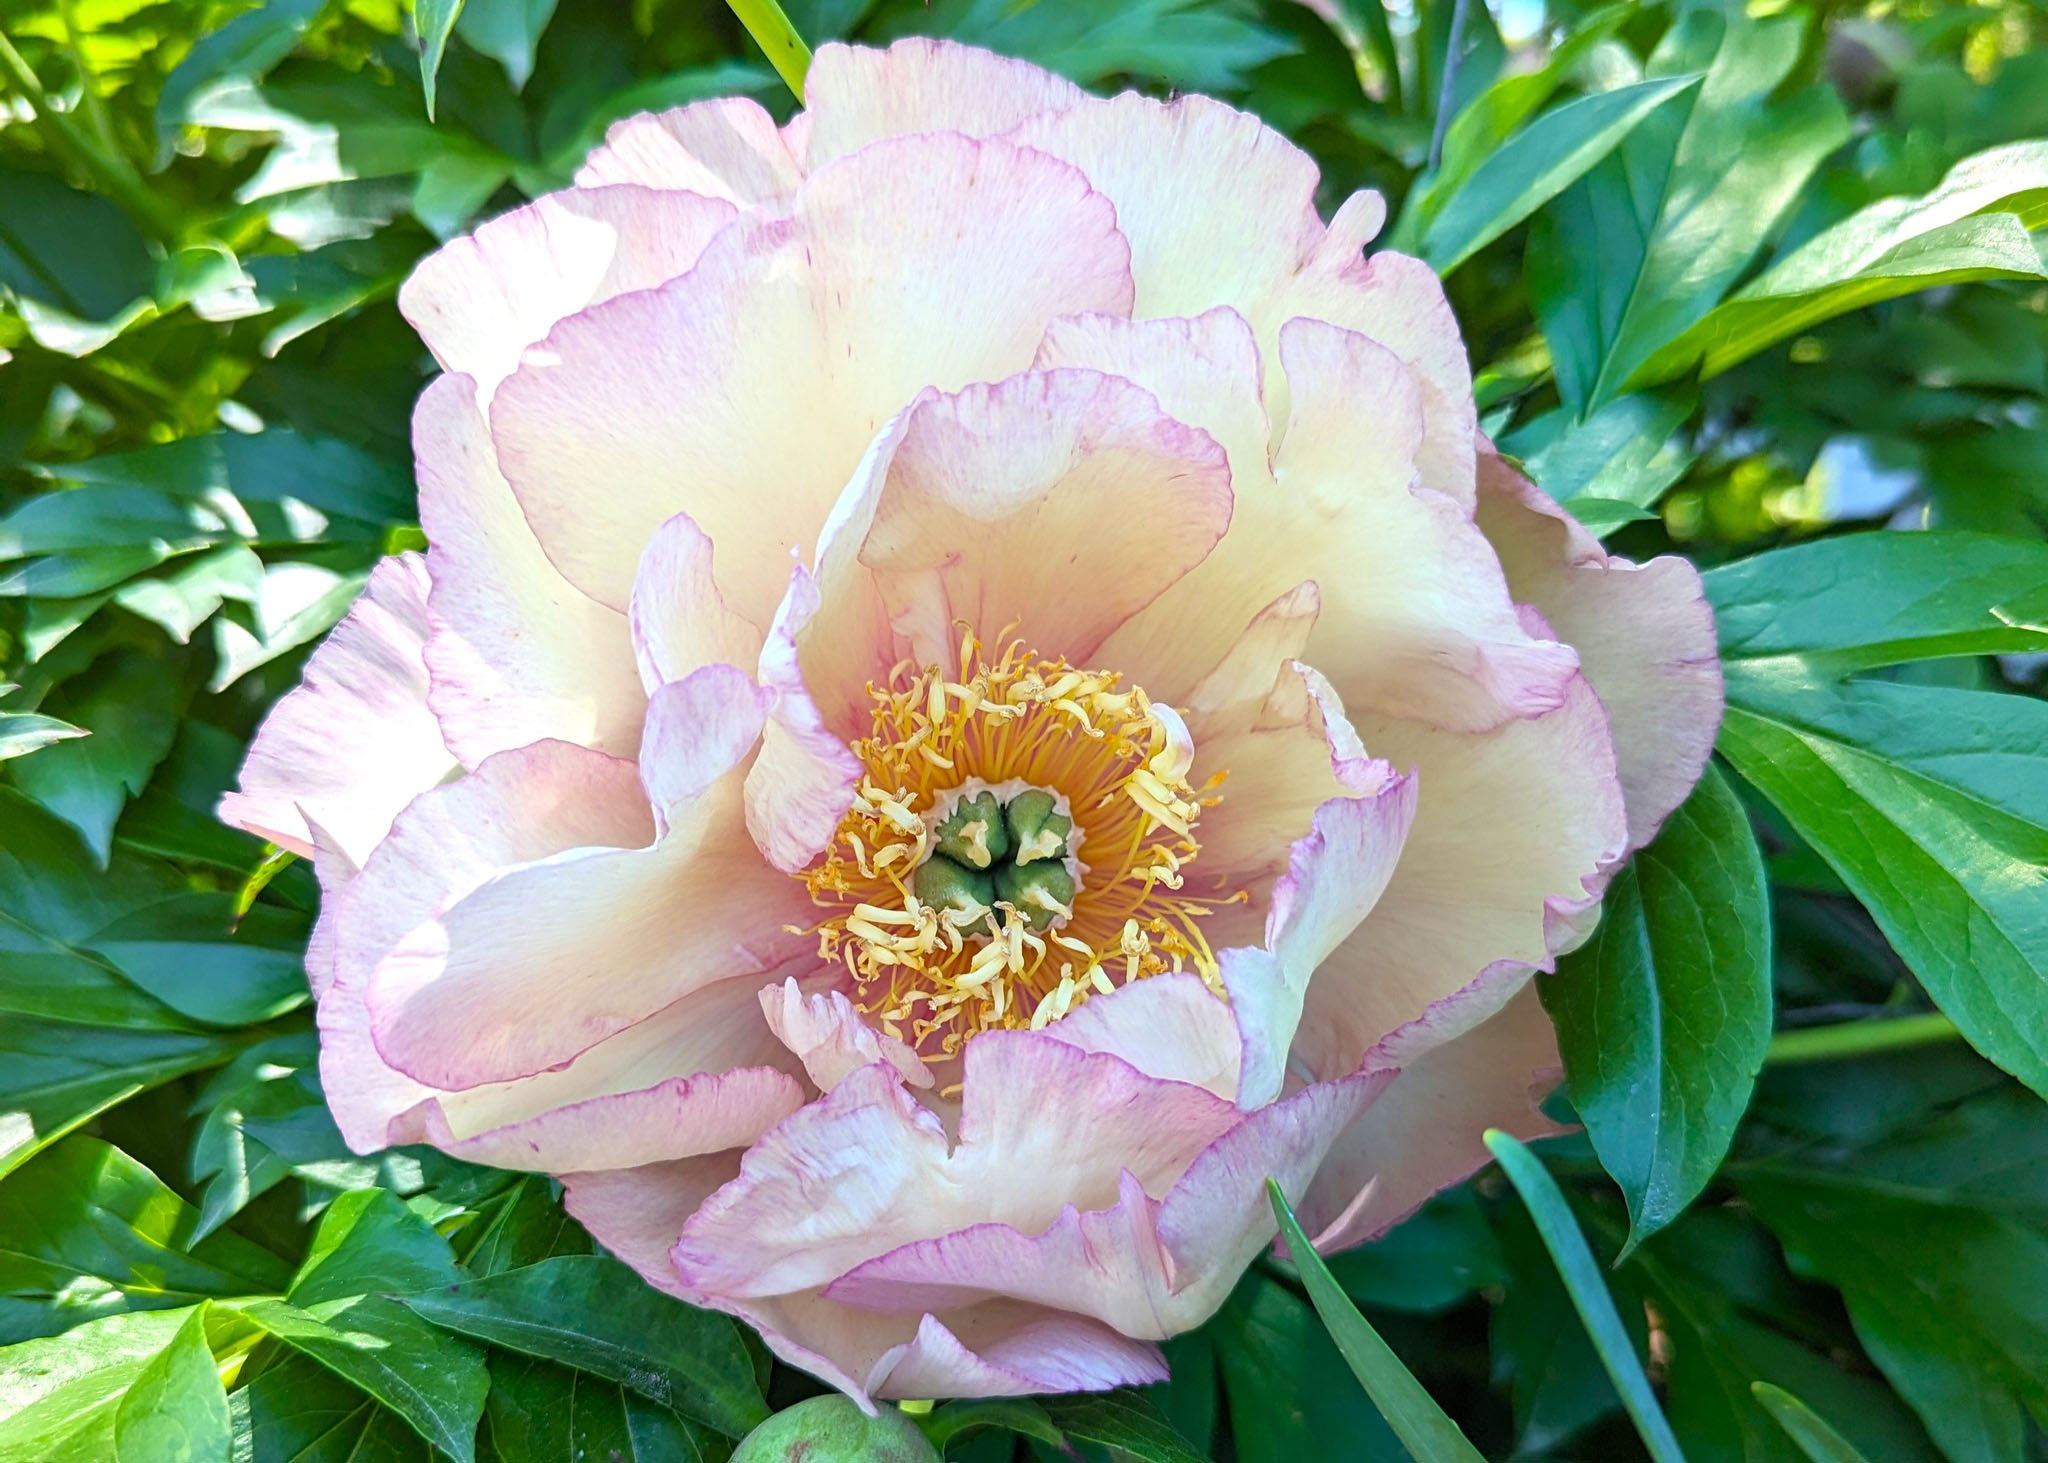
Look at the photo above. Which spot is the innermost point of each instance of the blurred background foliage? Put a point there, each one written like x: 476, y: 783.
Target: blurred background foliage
x: 1735, y: 282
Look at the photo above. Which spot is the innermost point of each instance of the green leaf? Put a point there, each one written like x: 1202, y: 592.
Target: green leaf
x: 1648, y: 241
x: 1287, y: 1387
x: 274, y: 466
x: 1807, y: 289
x: 1558, y: 1384
x: 1428, y: 1262
x: 296, y: 1411
x: 539, y: 1412
x: 1540, y: 162
x: 1925, y: 801
x: 1590, y: 1297
x: 88, y: 1231
x: 176, y: 1410
x: 432, y: 1380
x: 1974, y: 226
x: 74, y: 254
x: 1664, y: 1016
x: 1622, y: 457
x: 1943, y: 1296
x: 592, y: 1313
x: 1188, y: 44
x: 432, y: 21
x: 274, y: 1079
x: 507, y: 31
x: 1864, y: 600
x: 22, y: 732
x: 1022, y: 1415
x: 1414, y: 1415
x: 130, y: 706
x: 58, y: 1394
x: 369, y: 1241
x: 191, y: 953
x: 240, y: 51
x: 1807, y: 1428
x: 527, y: 1226
x: 1122, y: 1420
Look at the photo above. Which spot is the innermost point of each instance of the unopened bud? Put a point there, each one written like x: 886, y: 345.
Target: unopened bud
x: 833, y: 1430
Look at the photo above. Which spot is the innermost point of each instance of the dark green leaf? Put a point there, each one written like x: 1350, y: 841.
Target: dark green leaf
x: 1626, y: 453
x: 1122, y: 1420
x: 263, y: 467
x: 539, y: 1412
x: 85, y: 1231
x: 370, y: 1242
x: 296, y: 1411
x: 192, y: 954
x: 1807, y: 1428
x: 1287, y: 1387
x: 507, y: 31
x: 1414, y: 1415
x: 432, y: 21
x: 1428, y: 1262
x: 130, y: 706
x: 1663, y: 1017
x: 592, y: 1313
x: 175, y: 1411
x: 1590, y: 1297
x: 73, y: 251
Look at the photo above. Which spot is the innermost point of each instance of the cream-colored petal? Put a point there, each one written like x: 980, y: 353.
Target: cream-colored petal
x: 726, y: 148
x: 855, y: 95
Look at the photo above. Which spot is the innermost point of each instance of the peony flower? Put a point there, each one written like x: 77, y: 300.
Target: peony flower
x: 976, y: 692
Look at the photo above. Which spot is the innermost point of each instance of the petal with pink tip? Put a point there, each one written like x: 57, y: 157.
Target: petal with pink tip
x: 1424, y: 1133
x: 896, y: 1178
x: 855, y: 95
x: 1336, y: 876
x: 1168, y: 1026
x: 829, y: 1037
x: 746, y: 393
x: 726, y: 148
x: 1516, y: 833
x: 517, y: 653
x: 1643, y: 632
x: 482, y: 299
x: 550, y: 957
x: 355, y: 742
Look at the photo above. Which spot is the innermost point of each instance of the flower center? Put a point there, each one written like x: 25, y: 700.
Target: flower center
x: 1020, y: 840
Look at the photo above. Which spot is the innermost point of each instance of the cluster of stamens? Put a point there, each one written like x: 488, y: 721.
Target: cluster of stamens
x: 1019, y: 840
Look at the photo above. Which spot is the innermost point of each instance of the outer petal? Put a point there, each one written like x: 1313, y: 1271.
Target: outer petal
x: 855, y: 95
x: 1167, y: 1026
x: 355, y: 742
x: 726, y: 148
x: 1423, y: 1134
x: 519, y: 806
x: 1516, y: 832
x: 517, y: 654
x: 482, y: 299
x: 550, y: 957
x: 1643, y: 632
x: 745, y: 393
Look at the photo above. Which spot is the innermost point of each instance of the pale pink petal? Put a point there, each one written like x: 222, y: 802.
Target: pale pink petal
x: 829, y: 1037
x: 355, y: 742
x: 1219, y: 208
x: 680, y: 621
x: 746, y: 393
x: 482, y: 299
x: 854, y: 95
x: 1423, y: 1134
x: 1168, y: 1026
x: 1059, y: 501
x: 804, y: 780
x: 1335, y: 878
x: 1516, y: 833
x: 895, y: 1177
x: 1149, y: 1267
x: 1643, y: 632
x: 638, y: 1213
x: 550, y: 957
x: 517, y: 653
x: 726, y: 148
x: 999, y: 1350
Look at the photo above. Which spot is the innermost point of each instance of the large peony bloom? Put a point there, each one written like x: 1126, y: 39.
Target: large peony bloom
x: 976, y: 692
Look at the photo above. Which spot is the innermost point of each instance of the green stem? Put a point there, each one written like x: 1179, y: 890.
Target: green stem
x: 1860, y: 1038
x: 776, y: 37
x: 112, y: 172
x: 88, y: 91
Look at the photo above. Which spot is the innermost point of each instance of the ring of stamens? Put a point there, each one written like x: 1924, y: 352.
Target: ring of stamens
x: 1015, y: 723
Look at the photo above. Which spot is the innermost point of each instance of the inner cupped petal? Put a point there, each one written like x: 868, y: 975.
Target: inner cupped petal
x: 745, y: 392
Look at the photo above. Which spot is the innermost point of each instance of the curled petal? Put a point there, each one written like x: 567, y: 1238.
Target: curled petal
x: 855, y: 95
x: 829, y: 1037
x: 1643, y: 632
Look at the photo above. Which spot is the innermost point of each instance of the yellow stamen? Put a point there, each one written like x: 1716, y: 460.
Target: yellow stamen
x: 936, y: 977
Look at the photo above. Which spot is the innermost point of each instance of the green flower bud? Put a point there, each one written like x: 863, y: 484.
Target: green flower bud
x: 1039, y: 891
x: 943, y: 884
x: 973, y: 833
x: 1037, y: 828
x: 833, y: 1430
